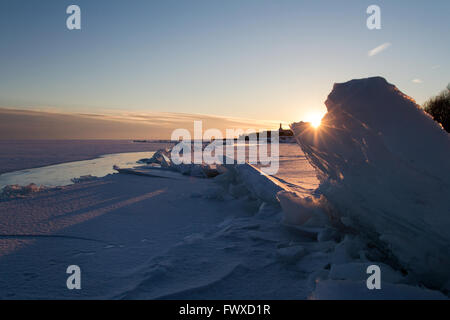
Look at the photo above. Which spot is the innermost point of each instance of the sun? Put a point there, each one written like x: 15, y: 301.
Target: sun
x: 316, y: 122
x: 315, y: 119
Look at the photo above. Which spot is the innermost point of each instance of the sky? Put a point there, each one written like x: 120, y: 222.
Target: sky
x: 259, y: 60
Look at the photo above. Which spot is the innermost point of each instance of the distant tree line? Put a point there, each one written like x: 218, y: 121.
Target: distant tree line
x: 439, y: 108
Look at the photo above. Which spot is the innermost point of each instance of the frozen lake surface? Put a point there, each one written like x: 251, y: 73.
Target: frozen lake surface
x: 25, y: 154
x: 62, y: 174
x: 294, y: 169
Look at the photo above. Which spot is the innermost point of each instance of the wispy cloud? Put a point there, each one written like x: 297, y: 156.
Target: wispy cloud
x: 436, y: 67
x: 417, y: 80
x: 378, y: 49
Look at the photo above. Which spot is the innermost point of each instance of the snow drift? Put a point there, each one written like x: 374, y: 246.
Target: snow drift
x: 383, y: 164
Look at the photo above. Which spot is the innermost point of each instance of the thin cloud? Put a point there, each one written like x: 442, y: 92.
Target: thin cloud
x: 417, y: 80
x: 379, y: 49
x: 436, y: 67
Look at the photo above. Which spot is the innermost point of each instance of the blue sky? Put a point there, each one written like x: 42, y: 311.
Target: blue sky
x: 256, y: 59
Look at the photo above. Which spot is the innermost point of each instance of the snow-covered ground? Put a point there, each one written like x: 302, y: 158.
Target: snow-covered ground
x: 144, y: 237
x: 138, y: 237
